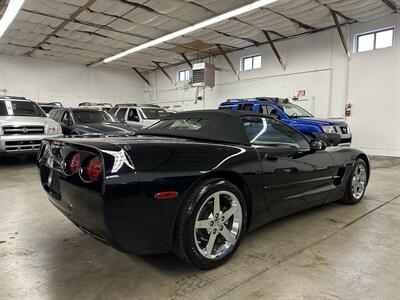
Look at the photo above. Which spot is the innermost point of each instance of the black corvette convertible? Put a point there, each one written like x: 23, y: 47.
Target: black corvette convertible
x: 195, y: 182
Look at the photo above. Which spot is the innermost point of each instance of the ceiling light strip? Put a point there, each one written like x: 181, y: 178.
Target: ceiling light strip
x: 11, y: 12
x: 187, y: 30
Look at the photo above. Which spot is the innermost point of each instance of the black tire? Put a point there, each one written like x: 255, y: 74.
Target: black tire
x: 184, y: 245
x: 349, y: 197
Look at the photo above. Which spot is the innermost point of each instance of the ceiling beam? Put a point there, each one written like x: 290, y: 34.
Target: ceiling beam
x: 298, y: 23
x: 392, y: 5
x: 62, y: 25
x: 141, y: 75
x: 271, y: 43
x: 228, y: 60
x: 186, y: 60
x: 339, y: 28
x: 165, y: 72
x: 256, y: 43
x: 348, y: 19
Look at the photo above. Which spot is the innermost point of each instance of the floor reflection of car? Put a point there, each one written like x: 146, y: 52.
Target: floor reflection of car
x: 76, y: 121
x: 195, y: 182
x: 139, y: 115
x: 23, y: 125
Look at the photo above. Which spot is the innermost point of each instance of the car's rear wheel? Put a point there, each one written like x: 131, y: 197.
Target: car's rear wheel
x: 356, y: 183
x: 211, y: 224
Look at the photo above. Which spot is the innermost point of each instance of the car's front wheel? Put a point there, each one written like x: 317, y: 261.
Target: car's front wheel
x: 356, y: 183
x: 211, y: 224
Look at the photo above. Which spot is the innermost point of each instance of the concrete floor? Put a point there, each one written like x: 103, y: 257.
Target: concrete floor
x: 330, y: 252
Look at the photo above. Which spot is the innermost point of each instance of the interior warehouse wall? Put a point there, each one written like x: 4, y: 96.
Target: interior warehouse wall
x: 316, y: 63
x: 45, y: 81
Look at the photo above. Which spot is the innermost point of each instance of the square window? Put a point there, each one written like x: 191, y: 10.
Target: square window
x: 251, y: 63
x: 183, y: 75
x: 257, y: 62
x: 384, y: 39
x: 375, y: 40
x: 247, y: 63
x: 366, y: 42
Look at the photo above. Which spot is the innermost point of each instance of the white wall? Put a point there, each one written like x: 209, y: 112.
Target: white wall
x: 44, y: 80
x: 318, y: 64
x: 374, y: 90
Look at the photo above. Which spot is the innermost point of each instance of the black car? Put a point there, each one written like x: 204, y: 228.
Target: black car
x: 195, y: 182
x: 78, y: 121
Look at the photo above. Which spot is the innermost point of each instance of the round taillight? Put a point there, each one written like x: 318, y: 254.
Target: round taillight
x: 73, y: 162
x: 92, y: 168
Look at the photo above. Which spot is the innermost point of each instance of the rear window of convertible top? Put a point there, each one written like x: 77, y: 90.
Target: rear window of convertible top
x: 180, y: 124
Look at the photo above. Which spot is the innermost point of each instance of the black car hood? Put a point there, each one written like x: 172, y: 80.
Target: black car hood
x: 104, y: 128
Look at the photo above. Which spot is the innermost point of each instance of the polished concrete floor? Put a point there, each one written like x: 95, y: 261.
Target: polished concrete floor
x: 330, y: 252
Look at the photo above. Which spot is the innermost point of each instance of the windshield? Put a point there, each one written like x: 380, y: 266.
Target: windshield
x: 94, y: 116
x: 20, y: 108
x: 154, y: 113
x: 294, y: 111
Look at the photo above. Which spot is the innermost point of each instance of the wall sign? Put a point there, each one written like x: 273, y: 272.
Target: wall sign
x: 301, y: 93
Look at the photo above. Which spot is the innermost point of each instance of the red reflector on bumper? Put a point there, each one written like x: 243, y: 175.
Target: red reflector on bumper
x: 166, y: 195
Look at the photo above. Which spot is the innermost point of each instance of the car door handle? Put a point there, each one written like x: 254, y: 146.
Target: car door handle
x: 271, y: 157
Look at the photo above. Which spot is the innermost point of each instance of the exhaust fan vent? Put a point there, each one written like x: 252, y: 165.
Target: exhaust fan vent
x: 203, y: 75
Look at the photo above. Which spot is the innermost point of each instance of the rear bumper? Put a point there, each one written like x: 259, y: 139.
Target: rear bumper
x: 94, y: 230
x: 115, y: 214
x: 22, y: 144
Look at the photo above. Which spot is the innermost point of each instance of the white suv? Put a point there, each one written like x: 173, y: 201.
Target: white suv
x: 138, y: 115
x: 23, y: 125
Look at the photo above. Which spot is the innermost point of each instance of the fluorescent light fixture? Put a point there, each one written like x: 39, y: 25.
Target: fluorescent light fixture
x: 173, y: 35
x: 11, y: 11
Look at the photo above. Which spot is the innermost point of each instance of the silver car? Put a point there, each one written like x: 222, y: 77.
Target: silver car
x: 23, y: 125
x: 139, y: 116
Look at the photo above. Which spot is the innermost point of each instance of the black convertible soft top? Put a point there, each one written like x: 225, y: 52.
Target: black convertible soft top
x: 221, y: 126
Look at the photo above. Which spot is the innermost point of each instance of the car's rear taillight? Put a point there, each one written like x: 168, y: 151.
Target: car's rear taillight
x: 92, y: 168
x: 73, y: 162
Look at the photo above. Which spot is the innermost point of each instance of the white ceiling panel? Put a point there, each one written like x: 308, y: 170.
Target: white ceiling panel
x: 107, y: 27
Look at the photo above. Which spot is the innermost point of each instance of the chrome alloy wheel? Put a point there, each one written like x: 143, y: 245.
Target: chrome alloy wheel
x: 359, y: 181
x: 218, y: 224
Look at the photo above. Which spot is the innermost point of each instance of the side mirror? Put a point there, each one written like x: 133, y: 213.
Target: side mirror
x: 317, y: 145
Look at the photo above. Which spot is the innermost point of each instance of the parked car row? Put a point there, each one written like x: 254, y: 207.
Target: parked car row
x: 23, y: 123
